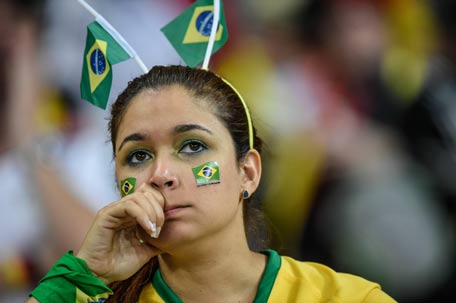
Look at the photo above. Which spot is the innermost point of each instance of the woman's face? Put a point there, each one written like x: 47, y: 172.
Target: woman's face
x: 163, y: 135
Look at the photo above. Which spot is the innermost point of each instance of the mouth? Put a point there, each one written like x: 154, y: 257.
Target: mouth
x: 173, y: 210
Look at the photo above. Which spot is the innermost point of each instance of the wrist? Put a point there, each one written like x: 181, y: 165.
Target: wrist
x: 80, y: 255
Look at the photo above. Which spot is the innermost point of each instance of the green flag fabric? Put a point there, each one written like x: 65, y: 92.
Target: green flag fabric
x: 208, y: 173
x: 70, y: 280
x: 189, y: 33
x: 101, y: 52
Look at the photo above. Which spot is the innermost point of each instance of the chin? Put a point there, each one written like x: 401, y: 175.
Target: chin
x: 173, y: 237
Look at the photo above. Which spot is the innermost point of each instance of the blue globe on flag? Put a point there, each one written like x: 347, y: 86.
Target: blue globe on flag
x: 97, y: 62
x: 207, y: 172
x: 204, y: 23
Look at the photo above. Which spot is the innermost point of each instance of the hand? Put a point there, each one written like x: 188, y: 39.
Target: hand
x: 112, y: 249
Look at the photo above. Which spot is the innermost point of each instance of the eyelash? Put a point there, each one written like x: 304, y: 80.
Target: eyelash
x: 133, y: 162
x: 201, y: 147
x: 132, y: 155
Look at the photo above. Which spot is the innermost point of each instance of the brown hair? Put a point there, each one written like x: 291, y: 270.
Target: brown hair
x: 228, y: 108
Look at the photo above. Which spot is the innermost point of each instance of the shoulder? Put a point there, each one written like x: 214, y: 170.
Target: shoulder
x: 319, y: 275
x: 314, y: 282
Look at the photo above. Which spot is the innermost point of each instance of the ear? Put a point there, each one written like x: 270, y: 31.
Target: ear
x: 251, y: 171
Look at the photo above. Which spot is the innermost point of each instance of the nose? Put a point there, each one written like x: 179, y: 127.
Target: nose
x: 162, y: 176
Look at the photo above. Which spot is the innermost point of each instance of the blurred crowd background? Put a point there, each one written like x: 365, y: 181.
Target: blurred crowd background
x: 356, y: 100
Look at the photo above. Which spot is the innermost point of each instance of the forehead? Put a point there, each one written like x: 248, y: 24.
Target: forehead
x: 164, y: 109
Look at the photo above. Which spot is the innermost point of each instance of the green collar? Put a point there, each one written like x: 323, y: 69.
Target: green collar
x: 263, y: 292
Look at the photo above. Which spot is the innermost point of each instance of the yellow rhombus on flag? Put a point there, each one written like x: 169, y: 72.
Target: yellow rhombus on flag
x: 189, y: 33
x: 101, y: 51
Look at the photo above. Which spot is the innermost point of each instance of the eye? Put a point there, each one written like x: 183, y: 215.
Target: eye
x: 192, y: 147
x: 138, y: 157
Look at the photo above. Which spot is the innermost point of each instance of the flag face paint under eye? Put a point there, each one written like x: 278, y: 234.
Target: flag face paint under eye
x: 127, y: 186
x: 206, y: 174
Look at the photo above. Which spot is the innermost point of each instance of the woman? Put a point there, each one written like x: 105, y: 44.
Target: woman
x: 184, y: 137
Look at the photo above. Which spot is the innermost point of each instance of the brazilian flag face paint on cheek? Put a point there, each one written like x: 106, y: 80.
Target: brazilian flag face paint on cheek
x: 127, y: 186
x: 206, y: 174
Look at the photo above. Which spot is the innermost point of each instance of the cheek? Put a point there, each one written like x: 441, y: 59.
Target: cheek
x: 207, y: 173
x: 126, y: 175
x: 127, y: 186
x: 226, y: 187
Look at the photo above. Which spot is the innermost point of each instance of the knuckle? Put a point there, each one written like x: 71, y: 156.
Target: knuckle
x: 104, y: 210
x: 152, y: 197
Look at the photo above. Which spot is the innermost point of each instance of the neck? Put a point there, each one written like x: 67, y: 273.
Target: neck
x: 226, y: 271
x: 226, y: 276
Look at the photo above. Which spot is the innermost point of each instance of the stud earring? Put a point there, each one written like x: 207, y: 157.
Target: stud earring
x: 245, y: 194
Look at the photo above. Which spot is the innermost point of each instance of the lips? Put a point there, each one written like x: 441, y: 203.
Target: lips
x: 173, y: 209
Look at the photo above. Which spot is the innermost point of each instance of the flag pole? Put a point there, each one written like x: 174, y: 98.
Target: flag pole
x: 210, y: 44
x: 115, y: 34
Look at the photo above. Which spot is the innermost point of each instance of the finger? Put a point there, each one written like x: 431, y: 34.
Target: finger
x: 144, y: 188
x: 155, y: 196
x: 148, y: 204
x: 153, y: 209
x: 138, y: 236
x: 158, y: 209
x: 129, y: 213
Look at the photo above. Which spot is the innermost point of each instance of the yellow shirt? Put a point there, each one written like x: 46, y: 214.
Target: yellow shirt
x: 286, y: 280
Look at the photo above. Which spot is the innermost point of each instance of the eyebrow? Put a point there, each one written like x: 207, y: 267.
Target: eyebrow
x: 188, y: 127
x: 179, y: 129
x: 132, y: 137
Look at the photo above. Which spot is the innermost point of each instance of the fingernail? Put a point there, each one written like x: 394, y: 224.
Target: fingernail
x: 153, y: 227
x: 158, y: 231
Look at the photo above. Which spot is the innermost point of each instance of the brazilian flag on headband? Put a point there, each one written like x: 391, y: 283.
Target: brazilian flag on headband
x: 189, y: 33
x: 101, y: 52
